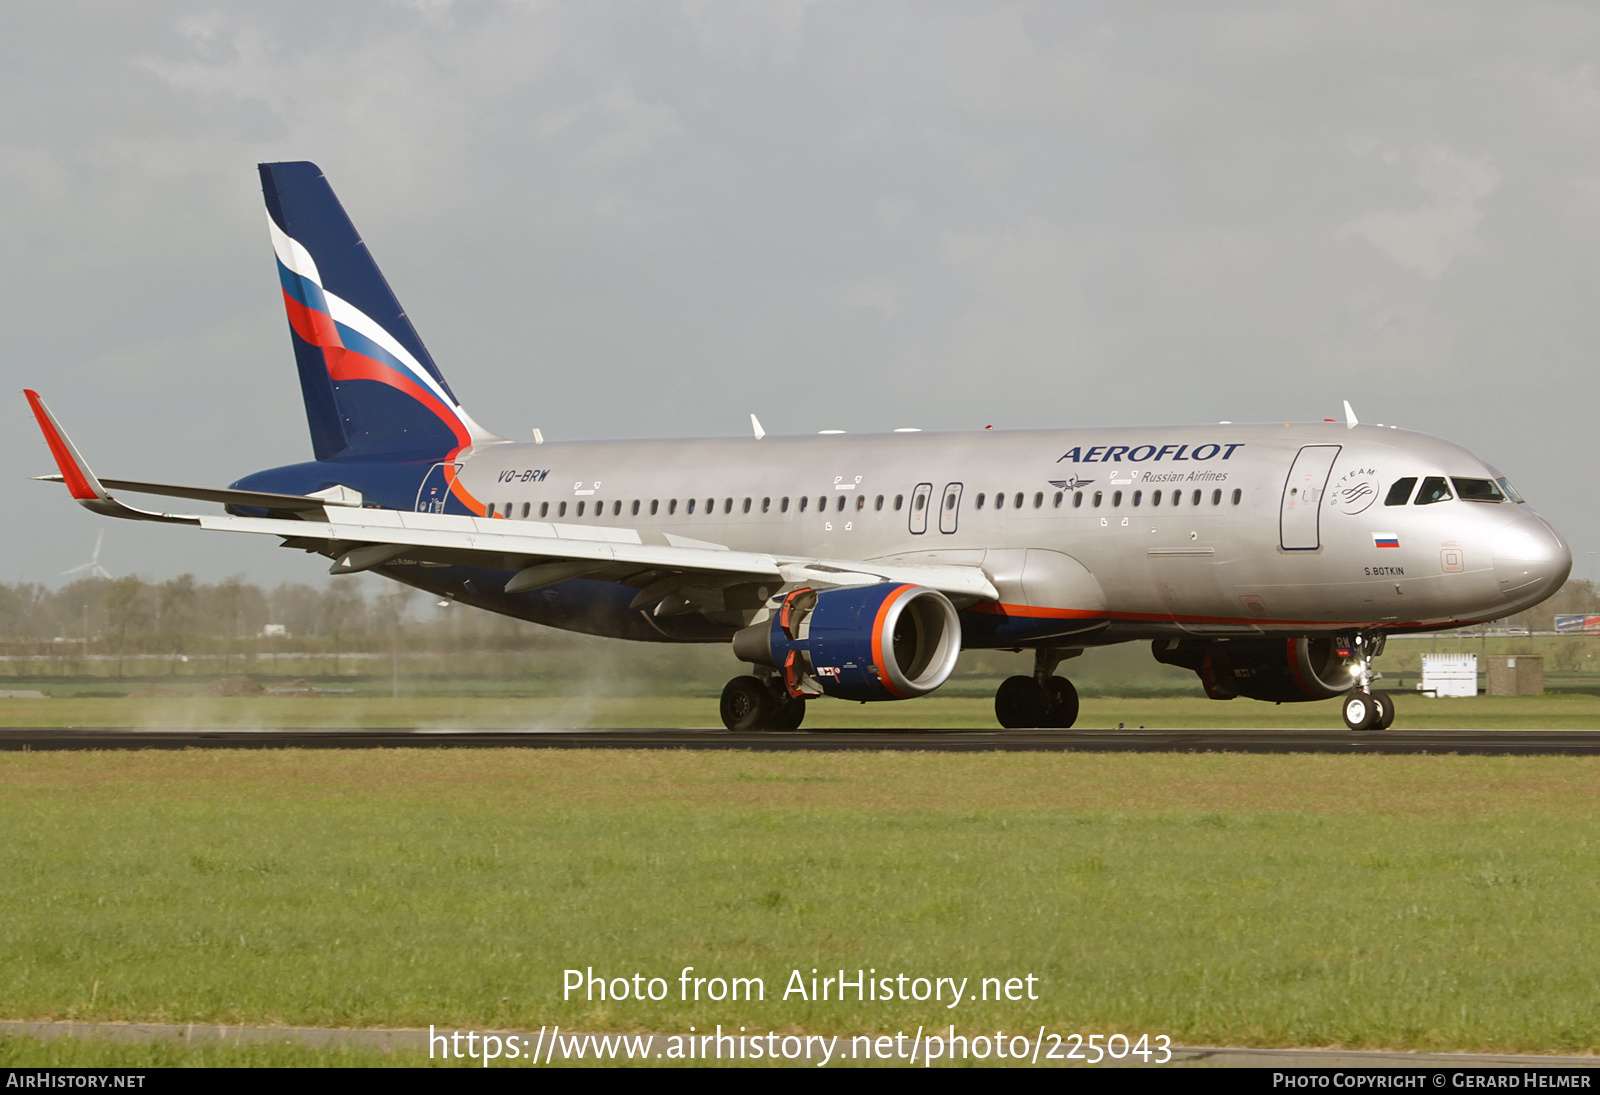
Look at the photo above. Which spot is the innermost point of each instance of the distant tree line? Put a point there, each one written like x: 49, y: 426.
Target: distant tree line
x: 183, y: 616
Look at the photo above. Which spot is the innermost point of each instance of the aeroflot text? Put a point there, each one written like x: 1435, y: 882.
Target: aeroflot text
x: 1139, y: 454
x: 827, y: 985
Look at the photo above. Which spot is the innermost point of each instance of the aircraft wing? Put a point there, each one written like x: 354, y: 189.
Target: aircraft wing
x: 541, y: 553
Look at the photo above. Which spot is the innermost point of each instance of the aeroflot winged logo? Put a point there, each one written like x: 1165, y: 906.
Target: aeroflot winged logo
x: 1139, y: 454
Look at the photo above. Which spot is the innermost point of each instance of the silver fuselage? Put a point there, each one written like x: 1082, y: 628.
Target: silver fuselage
x: 1276, y: 528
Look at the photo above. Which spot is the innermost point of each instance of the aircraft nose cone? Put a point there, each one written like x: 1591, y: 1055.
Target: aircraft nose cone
x: 1531, y: 560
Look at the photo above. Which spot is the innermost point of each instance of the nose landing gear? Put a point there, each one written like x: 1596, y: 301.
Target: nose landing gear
x: 1040, y: 701
x: 1365, y: 709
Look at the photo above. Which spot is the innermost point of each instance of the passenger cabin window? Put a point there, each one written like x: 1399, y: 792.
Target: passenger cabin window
x: 1400, y: 493
x: 544, y: 509
x: 1433, y: 489
x: 822, y: 502
x: 805, y: 501
x: 783, y: 504
x: 1216, y: 498
x: 1116, y: 498
x: 897, y: 500
x: 1237, y: 494
x: 1137, y: 495
x: 746, y: 506
x: 527, y: 507
x: 861, y: 502
x: 690, y: 507
x: 1195, y: 501
x: 1059, y: 496
x: 1017, y: 501
x: 1077, y: 499
x: 616, y: 508
x: 1038, y: 499
x: 672, y: 506
x: 635, y: 508
x: 878, y: 505
x: 561, y: 510
x: 999, y: 501
x: 580, y: 508
x: 711, y: 506
x: 842, y: 501
x: 978, y: 502
x: 655, y: 504
x: 727, y: 505
x: 1098, y: 495
x: 1477, y: 490
x: 766, y: 505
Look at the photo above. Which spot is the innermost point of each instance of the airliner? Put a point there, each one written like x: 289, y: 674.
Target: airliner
x: 1271, y: 560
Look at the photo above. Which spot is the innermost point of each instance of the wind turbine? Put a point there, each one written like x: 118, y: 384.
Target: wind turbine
x: 93, y: 565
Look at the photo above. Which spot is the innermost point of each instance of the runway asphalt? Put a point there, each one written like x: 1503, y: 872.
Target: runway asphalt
x: 1486, y: 742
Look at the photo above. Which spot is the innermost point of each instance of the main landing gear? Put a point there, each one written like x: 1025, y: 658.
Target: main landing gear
x: 1365, y: 709
x: 1040, y: 701
x: 750, y: 703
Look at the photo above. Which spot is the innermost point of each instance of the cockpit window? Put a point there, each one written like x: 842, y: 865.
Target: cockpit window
x: 1477, y: 490
x: 1434, y: 489
x: 1510, y: 491
x: 1400, y: 493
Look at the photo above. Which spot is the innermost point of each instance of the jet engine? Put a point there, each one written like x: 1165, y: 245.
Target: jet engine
x: 889, y: 641
x: 1281, y: 670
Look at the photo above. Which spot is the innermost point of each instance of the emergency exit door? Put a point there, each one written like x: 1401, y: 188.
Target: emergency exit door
x: 1299, y: 515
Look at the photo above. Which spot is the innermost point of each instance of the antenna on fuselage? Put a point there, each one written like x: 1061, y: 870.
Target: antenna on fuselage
x: 1350, y: 420
x: 755, y: 424
x: 538, y: 438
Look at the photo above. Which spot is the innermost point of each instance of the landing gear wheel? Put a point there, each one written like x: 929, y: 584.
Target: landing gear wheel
x: 745, y: 704
x: 1385, y: 704
x: 788, y: 715
x: 1063, y: 704
x: 1020, y: 703
x: 1360, y: 711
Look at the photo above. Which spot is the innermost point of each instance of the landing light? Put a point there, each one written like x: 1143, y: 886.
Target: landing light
x: 1355, y: 670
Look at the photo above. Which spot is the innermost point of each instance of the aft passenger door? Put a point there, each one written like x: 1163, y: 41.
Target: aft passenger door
x: 919, y: 508
x: 1299, y: 513
x: 951, y: 507
x: 435, y: 488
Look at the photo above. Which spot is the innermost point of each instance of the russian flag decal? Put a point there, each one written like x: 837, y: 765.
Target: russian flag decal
x: 1386, y: 539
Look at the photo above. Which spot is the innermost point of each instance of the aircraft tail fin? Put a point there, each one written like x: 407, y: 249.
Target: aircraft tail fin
x: 370, y: 387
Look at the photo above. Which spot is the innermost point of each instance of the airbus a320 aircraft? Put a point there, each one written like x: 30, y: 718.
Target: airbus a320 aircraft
x: 1271, y: 560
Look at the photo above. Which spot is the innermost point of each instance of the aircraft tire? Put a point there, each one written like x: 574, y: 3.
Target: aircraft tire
x: 1020, y: 704
x: 1063, y: 704
x: 1385, y: 704
x: 787, y: 715
x: 746, y: 704
x: 1360, y: 711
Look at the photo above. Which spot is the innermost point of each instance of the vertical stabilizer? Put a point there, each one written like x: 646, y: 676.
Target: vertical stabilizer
x: 370, y: 387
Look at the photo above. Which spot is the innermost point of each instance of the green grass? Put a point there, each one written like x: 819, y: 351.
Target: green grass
x: 101, y: 1053
x: 1401, y: 902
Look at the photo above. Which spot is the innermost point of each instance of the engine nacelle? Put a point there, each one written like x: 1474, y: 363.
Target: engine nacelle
x: 1281, y: 670
x: 880, y: 642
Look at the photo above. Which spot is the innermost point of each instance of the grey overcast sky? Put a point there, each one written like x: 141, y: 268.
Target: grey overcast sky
x: 650, y: 219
